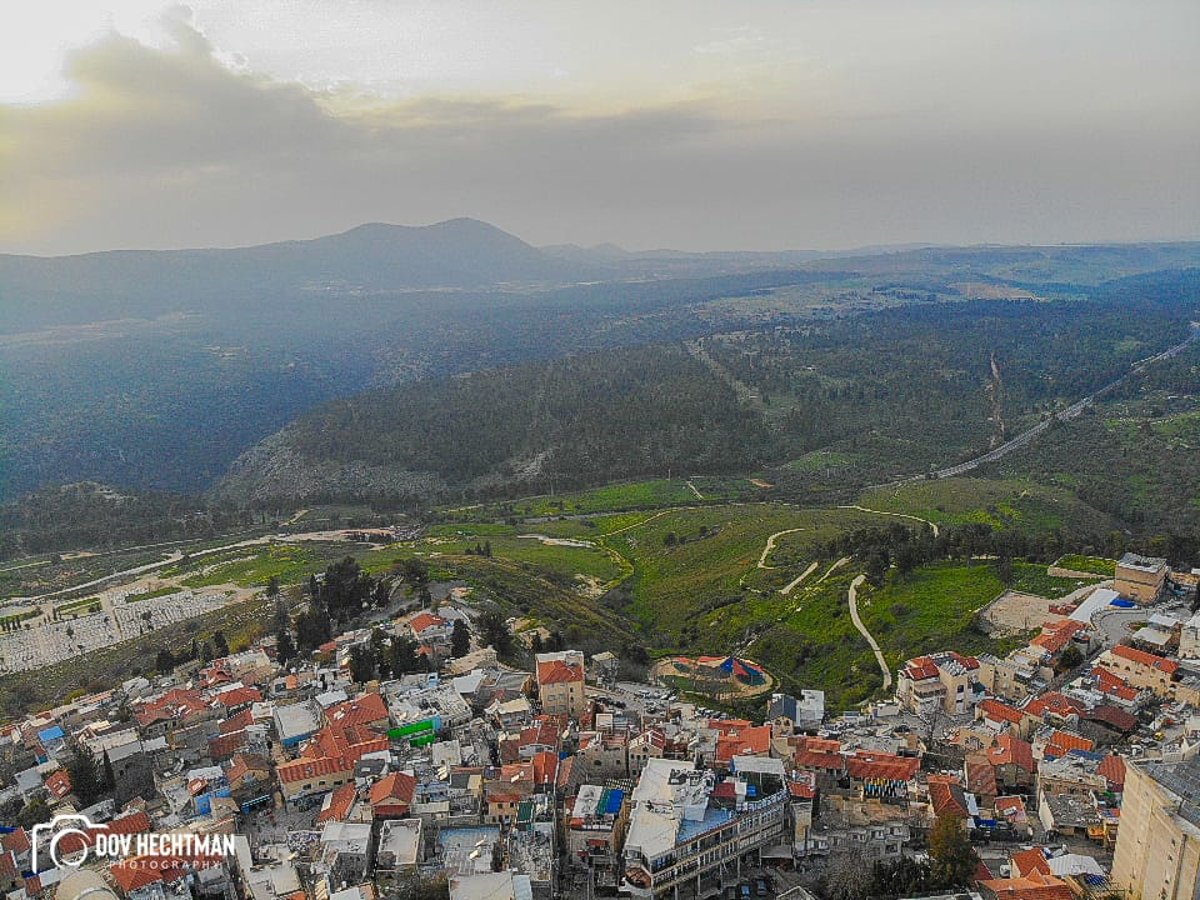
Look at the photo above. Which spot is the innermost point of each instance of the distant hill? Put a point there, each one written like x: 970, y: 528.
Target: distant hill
x: 37, y: 292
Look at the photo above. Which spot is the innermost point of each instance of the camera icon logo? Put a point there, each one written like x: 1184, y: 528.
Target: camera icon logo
x: 64, y: 841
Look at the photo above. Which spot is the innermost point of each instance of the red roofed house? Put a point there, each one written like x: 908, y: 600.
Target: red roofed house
x: 751, y: 741
x: 1063, y: 742
x: 1053, y: 708
x: 1117, y: 689
x: 304, y: 778
x: 882, y: 775
x: 337, y: 805
x: 1141, y: 669
x: 1012, y: 760
x: 58, y: 785
x: 427, y: 627
x: 1033, y: 887
x: 981, y: 778
x: 369, y: 710
x: 946, y: 797
x: 560, y: 680
x: 1113, y: 769
x: 1057, y: 636
x: 251, y: 779
x: 239, y: 698
x: 1001, y: 717
x: 948, y: 680
x: 391, y: 796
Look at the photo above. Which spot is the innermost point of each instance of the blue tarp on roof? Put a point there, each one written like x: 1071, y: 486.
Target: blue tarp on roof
x: 53, y: 733
x: 614, y: 800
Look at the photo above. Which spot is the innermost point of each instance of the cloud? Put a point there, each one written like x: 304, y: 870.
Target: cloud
x: 174, y: 147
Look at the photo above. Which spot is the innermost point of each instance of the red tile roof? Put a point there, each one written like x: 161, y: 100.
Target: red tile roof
x: 981, y: 777
x: 1114, y: 685
x: 1108, y: 714
x: 822, y: 745
x: 1112, y: 767
x: 863, y: 765
x: 754, y: 741
x: 1056, y: 635
x: 1149, y: 660
x: 237, y: 722
x: 946, y: 797
x: 425, y: 620
x: 1035, y: 887
x: 815, y: 759
x: 1012, y: 808
x: 225, y: 745
x: 991, y: 708
x: 302, y: 769
x: 1054, y: 703
x: 920, y: 669
x: 1062, y: 742
x: 365, y: 710
x: 58, y: 785
x: 558, y: 672
x: 239, y: 697
x: 338, y: 804
x: 16, y: 841
x: 393, y: 793
x: 1026, y: 862
x: 1011, y: 750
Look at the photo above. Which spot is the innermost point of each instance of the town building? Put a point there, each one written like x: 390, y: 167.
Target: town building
x: 1141, y: 578
x: 1158, y: 849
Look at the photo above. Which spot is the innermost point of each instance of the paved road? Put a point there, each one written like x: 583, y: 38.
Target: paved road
x: 1065, y: 415
x: 862, y: 629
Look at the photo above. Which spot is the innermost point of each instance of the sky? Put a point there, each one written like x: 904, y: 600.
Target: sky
x: 695, y: 125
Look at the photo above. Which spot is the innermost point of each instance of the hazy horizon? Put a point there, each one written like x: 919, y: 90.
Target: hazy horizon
x: 690, y: 125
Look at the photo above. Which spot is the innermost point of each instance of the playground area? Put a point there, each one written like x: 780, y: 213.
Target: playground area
x: 720, y: 677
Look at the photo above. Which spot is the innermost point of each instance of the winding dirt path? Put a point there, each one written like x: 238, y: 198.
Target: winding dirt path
x: 762, y: 560
x: 862, y: 629
x: 884, y: 512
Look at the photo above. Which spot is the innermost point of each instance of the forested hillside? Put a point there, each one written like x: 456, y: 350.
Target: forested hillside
x: 583, y: 420
x: 821, y: 409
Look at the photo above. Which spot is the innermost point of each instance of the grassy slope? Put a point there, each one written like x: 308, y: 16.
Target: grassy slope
x: 1011, y: 503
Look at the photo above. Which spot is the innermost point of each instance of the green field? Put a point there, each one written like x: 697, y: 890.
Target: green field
x: 651, y: 494
x: 1032, y: 579
x: 1010, y: 503
x: 289, y: 563
x: 1096, y: 564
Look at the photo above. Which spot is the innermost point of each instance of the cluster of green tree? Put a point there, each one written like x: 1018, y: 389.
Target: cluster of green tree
x: 202, y: 652
x: 906, y: 548
x: 387, y: 656
x: 576, y: 422
x: 952, y: 864
x: 93, y: 516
